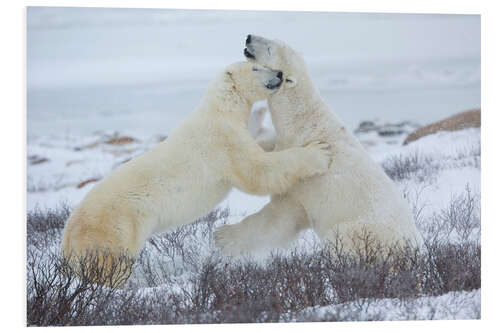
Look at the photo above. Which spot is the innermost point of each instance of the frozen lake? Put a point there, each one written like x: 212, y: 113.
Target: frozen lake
x: 144, y: 70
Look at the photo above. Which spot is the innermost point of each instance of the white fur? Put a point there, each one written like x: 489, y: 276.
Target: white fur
x: 185, y: 176
x: 353, y: 198
x: 266, y: 138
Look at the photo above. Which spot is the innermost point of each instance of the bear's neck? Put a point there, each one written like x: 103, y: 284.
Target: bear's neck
x: 227, y: 101
x: 300, y: 114
x: 291, y: 109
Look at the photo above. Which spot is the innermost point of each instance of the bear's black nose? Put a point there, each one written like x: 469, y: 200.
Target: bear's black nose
x: 249, y: 40
x: 280, y: 75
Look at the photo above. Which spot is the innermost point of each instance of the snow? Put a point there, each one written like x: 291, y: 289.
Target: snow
x: 454, y: 305
x: 455, y: 172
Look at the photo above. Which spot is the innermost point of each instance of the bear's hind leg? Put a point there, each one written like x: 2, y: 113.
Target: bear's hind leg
x: 363, y: 239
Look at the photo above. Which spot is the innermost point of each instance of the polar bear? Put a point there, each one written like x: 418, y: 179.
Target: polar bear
x: 185, y: 176
x: 355, y: 199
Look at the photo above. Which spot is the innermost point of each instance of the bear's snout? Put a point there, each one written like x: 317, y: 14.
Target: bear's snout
x: 248, y: 54
x: 275, y: 82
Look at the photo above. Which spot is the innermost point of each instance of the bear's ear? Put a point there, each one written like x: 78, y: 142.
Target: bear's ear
x: 290, y: 82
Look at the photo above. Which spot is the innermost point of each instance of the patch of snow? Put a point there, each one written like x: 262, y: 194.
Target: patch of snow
x: 461, y: 305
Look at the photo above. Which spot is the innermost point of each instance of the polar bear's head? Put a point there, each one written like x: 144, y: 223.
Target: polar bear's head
x: 277, y: 55
x: 252, y: 81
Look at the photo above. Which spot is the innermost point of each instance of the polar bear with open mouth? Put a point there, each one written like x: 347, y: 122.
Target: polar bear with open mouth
x: 355, y: 198
x: 185, y: 176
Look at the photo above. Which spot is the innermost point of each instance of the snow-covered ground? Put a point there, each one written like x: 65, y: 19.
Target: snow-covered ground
x: 105, y: 85
x: 451, y: 167
x: 453, y: 305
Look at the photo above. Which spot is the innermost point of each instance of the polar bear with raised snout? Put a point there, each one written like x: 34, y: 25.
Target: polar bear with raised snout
x: 354, y: 199
x: 185, y: 176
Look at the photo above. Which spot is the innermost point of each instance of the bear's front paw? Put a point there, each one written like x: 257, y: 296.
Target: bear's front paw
x: 320, y: 156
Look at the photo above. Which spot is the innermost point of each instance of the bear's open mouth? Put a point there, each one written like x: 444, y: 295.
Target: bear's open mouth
x: 248, y: 54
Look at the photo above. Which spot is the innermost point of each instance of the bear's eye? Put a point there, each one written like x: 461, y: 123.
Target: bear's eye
x: 288, y: 80
x: 255, y: 69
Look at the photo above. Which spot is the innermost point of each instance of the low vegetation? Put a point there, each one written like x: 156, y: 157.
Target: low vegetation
x: 180, y: 278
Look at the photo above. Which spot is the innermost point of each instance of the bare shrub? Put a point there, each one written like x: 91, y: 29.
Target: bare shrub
x: 469, y: 155
x: 413, y: 166
x: 182, y: 249
x: 43, y: 227
x: 462, y: 215
x: 248, y: 291
x: 459, y: 222
x: 56, y: 297
x: 187, y: 282
x: 425, y: 167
